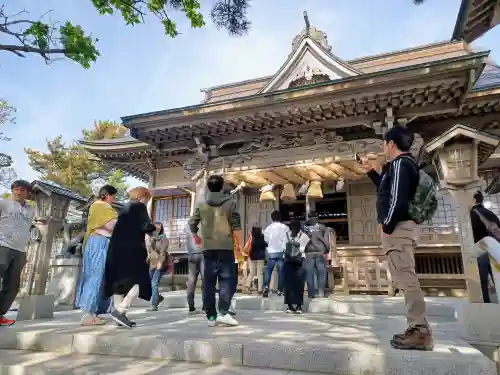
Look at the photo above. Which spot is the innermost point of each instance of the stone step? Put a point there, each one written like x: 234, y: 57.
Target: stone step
x: 365, y: 305
x: 22, y: 362
x: 324, y: 343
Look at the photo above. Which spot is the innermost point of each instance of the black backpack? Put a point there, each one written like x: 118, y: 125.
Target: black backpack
x: 292, y: 251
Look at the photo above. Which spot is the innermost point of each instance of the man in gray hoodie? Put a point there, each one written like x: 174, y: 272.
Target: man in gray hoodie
x: 219, y: 219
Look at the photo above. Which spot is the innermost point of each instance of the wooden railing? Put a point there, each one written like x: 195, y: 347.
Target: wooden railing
x: 366, y: 277
x: 364, y: 270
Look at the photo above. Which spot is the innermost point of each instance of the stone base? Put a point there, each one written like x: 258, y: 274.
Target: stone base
x: 478, y: 323
x: 36, y: 307
x: 64, y: 280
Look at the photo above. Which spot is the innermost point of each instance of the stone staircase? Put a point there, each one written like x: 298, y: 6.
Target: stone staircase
x: 341, y: 336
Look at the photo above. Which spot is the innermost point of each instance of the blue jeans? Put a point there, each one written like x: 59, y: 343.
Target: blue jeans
x: 315, y: 264
x: 272, y: 261
x: 155, y: 276
x: 218, y: 265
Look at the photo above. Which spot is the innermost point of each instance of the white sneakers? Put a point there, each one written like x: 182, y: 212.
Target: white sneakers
x: 223, y: 320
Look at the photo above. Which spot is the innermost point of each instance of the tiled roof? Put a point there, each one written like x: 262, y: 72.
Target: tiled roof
x: 51, y: 187
x: 489, y: 78
x: 494, y: 186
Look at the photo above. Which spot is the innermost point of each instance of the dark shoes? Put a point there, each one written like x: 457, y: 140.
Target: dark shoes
x: 121, y: 319
x: 415, y: 338
x: 265, y: 293
x: 155, y: 307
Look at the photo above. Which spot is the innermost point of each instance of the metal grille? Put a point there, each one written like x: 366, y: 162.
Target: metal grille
x: 173, y: 212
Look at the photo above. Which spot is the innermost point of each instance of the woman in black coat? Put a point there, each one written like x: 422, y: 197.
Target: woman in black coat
x: 127, y: 269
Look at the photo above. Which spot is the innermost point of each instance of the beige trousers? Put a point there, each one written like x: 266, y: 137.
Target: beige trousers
x: 400, y: 250
x: 256, y: 269
x: 122, y: 303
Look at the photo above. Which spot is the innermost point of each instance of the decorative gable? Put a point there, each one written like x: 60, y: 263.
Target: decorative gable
x: 310, y: 62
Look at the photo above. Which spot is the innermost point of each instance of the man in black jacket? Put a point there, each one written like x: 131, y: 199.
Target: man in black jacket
x: 479, y: 231
x: 396, y: 187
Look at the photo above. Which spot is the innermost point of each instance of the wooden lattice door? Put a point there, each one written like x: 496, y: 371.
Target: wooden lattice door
x: 362, y: 214
x: 257, y: 213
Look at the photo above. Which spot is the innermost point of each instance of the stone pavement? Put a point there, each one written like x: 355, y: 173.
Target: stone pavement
x: 338, y: 342
x: 17, y: 362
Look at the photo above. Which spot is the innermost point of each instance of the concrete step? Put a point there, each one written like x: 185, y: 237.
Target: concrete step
x: 365, y: 305
x: 22, y: 362
x: 324, y: 343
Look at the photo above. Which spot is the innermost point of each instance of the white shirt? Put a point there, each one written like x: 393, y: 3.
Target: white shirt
x: 276, y: 237
x: 15, y: 224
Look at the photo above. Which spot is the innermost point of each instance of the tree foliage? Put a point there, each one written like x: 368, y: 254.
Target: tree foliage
x: 32, y: 34
x: 69, y: 165
x: 104, y: 130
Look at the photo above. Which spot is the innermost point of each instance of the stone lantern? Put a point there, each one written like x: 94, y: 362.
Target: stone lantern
x: 51, y: 206
x: 457, y: 154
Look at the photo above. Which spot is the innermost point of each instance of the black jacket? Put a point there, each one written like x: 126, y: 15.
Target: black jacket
x: 479, y: 231
x: 396, y: 187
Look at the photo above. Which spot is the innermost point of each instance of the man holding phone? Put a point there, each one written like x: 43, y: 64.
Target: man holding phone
x: 396, y: 187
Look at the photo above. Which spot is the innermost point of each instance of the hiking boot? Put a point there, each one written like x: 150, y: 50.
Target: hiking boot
x: 414, y: 338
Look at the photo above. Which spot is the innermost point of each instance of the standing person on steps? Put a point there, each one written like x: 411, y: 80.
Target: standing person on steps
x: 479, y: 231
x: 396, y: 189
x: 157, y: 245
x: 16, y: 217
x: 293, y: 270
x: 219, y: 219
x: 195, y: 270
x: 275, y: 236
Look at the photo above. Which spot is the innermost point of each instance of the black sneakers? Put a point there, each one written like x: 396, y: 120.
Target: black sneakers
x: 121, y: 319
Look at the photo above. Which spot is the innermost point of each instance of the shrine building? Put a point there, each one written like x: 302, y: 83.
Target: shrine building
x: 300, y: 128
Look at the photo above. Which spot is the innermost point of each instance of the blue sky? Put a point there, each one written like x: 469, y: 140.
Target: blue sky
x: 142, y: 70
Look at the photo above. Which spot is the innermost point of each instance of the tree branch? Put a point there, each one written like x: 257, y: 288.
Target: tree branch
x: 27, y: 49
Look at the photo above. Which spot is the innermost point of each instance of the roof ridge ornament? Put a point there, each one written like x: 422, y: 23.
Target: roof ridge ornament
x: 310, y: 31
x: 306, y: 20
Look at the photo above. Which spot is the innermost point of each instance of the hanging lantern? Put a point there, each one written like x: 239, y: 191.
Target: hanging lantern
x: 267, y: 194
x: 314, y: 190
x: 288, y: 193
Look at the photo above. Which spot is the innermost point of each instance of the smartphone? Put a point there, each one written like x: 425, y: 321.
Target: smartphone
x: 358, y: 158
